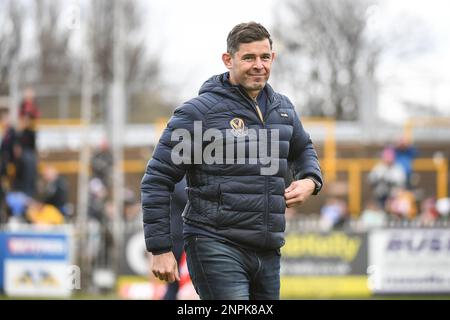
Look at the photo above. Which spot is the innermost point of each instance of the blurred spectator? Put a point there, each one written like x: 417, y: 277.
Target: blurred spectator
x: 28, y: 108
x: 41, y: 213
x: 26, y: 160
x: 100, y: 237
x: 443, y: 207
x: 17, y: 203
x: 7, y: 162
x: 9, y: 137
x: 385, y: 176
x: 429, y: 213
x: 178, y: 201
x: 132, y: 209
x: 55, y: 189
x: 97, y: 200
x: 96, y: 207
x: 333, y: 214
x: 102, y: 162
x: 373, y: 216
x: 402, y: 204
x: 405, y: 153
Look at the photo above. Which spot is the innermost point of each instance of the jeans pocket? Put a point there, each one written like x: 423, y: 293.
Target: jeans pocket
x: 188, y: 241
x: 201, y: 242
x: 201, y: 238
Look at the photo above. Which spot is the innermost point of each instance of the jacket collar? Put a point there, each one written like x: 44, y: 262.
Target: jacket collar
x: 221, y: 85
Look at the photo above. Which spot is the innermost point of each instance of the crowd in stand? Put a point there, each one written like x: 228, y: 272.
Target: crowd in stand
x: 41, y: 197
x: 33, y: 193
x: 27, y: 195
x: 395, y: 194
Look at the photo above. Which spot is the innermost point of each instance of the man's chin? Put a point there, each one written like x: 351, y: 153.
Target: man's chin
x: 256, y: 86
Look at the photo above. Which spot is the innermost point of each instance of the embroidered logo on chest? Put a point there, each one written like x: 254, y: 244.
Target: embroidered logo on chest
x: 238, y: 128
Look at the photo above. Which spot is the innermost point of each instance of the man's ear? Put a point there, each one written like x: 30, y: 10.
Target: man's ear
x: 273, y: 55
x: 226, y: 58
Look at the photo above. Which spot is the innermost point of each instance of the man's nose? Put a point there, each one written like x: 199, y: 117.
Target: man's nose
x: 258, y: 64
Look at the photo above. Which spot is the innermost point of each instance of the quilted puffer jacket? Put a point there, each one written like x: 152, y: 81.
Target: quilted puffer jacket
x: 233, y: 194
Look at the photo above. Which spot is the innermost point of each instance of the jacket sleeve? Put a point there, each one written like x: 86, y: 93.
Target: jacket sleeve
x: 161, y: 174
x: 303, y: 160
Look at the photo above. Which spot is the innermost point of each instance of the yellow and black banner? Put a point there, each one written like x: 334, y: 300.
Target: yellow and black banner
x: 331, y: 264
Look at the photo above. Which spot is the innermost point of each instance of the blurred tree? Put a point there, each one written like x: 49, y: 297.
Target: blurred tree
x: 34, y: 45
x: 141, y: 70
x: 55, y: 61
x: 140, y: 67
x: 324, y: 52
x: 11, y: 22
x: 38, y: 47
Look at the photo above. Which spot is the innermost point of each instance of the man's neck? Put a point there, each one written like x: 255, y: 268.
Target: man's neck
x: 251, y: 94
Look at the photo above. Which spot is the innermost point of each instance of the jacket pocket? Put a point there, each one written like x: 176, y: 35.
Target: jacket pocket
x: 205, y: 201
x: 219, y: 211
x: 218, y: 219
x: 219, y: 189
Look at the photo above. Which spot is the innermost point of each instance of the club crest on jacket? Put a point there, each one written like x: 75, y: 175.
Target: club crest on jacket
x: 238, y: 127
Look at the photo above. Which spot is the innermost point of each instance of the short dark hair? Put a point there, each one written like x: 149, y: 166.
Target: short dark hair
x: 245, y: 33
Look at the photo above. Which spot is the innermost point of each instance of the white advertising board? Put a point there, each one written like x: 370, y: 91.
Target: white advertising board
x: 409, y: 260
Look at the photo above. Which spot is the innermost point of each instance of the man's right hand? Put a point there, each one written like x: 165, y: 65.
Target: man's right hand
x: 165, y: 267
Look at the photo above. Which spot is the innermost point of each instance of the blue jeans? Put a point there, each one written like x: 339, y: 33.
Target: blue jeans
x: 223, y: 271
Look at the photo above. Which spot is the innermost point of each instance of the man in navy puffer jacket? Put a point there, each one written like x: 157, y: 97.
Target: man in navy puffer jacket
x: 246, y: 157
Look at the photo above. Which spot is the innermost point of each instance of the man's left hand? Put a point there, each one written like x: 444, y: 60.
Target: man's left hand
x: 298, y: 192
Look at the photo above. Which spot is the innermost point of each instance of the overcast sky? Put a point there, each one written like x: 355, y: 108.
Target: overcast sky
x: 421, y: 78
x: 192, y: 35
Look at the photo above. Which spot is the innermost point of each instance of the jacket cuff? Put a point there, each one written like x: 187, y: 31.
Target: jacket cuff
x: 158, y: 245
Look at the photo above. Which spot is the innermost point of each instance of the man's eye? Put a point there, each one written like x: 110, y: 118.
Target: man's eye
x: 248, y: 58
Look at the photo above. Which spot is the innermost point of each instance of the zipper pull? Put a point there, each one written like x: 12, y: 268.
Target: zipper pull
x: 258, y: 110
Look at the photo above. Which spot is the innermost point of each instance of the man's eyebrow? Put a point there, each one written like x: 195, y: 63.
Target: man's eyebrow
x: 253, y: 55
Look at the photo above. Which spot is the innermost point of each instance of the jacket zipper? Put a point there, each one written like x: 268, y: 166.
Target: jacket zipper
x: 266, y: 189
x: 266, y: 180
x: 266, y: 208
x: 254, y: 105
x: 258, y: 111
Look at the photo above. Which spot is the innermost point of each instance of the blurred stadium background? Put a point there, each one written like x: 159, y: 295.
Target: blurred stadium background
x: 368, y: 78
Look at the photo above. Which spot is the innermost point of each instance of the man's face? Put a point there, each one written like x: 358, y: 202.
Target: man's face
x: 250, y: 65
